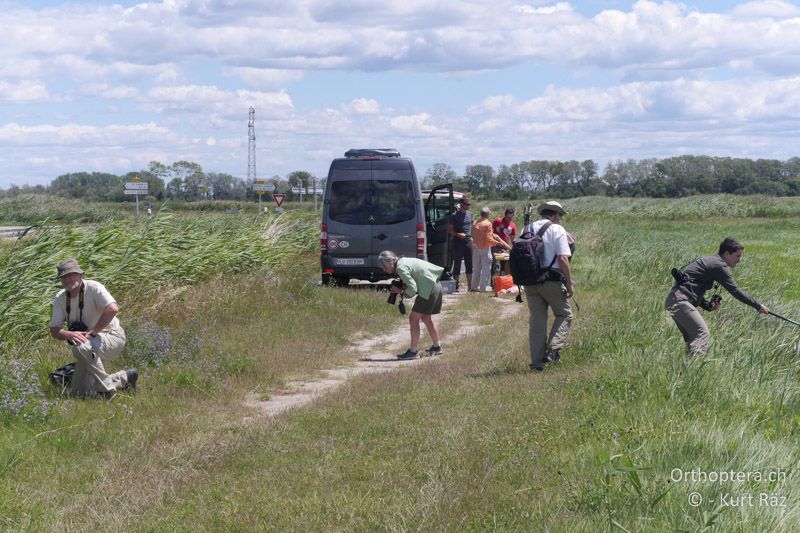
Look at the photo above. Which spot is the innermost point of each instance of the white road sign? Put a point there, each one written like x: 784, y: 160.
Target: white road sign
x: 263, y: 187
x: 129, y: 192
x: 309, y: 190
x: 136, y: 185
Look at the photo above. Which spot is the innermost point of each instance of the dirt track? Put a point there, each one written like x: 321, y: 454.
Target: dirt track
x: 379, y: 355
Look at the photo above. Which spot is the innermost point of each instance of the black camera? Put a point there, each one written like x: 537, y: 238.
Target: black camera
x: 78, y: 326
x: 392, y: 299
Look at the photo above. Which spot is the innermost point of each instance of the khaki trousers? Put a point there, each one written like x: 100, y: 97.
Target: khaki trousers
x: 90, y: 375
x: 550, y: 294
x: 482, y: 268
x: 689, y: 321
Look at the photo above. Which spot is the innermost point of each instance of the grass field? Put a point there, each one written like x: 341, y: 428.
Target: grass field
x: 472, y: 441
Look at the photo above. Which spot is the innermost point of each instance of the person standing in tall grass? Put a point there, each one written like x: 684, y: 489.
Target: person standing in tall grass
x: 93, y: 331
x: 690, y: 287
x: 554, y: 292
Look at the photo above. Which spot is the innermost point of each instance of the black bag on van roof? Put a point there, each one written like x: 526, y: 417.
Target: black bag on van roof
x: 372, y: 152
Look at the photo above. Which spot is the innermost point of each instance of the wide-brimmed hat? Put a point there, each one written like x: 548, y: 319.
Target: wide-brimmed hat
x: 68, y: 266
x: 551, y: 205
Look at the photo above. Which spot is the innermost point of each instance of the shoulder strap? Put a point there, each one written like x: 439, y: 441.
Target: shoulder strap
x: 80, y: 303
x: 544, y: 228
x: 540, y: 233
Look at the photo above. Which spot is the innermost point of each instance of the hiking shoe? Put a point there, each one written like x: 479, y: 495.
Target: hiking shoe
x: 552, y: 357
x: 409, y: 354
x: 434, y: 349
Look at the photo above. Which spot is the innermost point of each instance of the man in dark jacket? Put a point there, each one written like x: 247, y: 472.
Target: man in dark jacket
x: 690, y: 287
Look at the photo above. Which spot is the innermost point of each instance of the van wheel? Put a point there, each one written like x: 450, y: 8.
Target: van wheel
x: 341, y: 281
x: 326, y: 280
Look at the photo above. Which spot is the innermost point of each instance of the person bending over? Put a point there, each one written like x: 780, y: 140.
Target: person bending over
x: 419, y: 278
x: 690, y: 287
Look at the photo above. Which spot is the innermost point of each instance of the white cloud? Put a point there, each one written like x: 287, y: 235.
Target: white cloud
x: 212, y: 102
x: 415, y: 125
x: 767, y: 8
x: 363, y: 106
x: 263, y: 77
x: 23, y: 91
x: 84, y: 135
x: 545, y: 10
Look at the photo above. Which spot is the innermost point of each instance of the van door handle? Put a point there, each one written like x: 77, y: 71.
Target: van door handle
x: 381, y: 236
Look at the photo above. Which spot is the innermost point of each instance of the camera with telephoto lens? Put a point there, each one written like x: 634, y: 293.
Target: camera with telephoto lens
x: 77, y: 325
x: 392, y: 299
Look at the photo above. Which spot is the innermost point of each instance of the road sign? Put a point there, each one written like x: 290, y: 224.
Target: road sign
x: 279, y: 198
x: 137, y: 192
x: 307, y: 190
x: 268, y: 187
x: 136, y: 185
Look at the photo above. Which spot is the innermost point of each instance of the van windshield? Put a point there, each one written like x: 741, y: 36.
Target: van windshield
x: 362, y: 202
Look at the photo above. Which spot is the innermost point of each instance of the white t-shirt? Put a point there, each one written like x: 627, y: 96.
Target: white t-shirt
x: 555, y: 241
x: 95, y: 299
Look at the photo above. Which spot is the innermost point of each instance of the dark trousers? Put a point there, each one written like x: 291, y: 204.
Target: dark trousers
x: 461, y: 252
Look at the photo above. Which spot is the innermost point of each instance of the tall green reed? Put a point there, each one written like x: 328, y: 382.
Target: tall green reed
x: 140, y: 257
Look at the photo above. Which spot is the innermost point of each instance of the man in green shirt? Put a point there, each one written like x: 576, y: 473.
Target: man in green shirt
x: 419, y: 278
x: 690, y: 287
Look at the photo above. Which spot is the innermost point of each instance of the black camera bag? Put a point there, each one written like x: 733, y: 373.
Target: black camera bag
x: 62, y: 377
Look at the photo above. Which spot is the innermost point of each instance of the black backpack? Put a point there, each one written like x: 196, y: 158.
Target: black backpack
x: 527, y: 258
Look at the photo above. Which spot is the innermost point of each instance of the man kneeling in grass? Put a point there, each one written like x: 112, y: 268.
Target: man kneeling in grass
x: 690, y: 287
x: 421, y: 278
x: 93, y: 331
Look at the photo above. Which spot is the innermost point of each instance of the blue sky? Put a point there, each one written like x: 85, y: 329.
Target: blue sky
x: 100, y: 86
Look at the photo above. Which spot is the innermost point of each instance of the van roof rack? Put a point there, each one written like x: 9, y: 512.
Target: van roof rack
x: 372, y: 152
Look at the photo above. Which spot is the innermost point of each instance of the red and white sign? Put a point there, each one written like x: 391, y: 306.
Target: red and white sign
x: 279, y: 198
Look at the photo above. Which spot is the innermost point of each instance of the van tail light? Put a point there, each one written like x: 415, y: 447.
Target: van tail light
x: 421, y: 241
x: 323, y: 240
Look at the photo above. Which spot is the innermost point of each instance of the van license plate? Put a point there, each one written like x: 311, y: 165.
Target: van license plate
x: 352, y: 261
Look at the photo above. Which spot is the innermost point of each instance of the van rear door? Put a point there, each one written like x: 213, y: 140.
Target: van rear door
x: 438, y: 207
x: 349, y: 214
x: 395, y: 207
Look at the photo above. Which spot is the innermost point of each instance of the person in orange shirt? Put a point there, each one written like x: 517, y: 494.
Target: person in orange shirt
x: 483, y: 238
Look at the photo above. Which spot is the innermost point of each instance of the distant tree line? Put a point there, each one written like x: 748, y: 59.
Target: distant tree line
x: 661, y: 178
x: 182, y: 180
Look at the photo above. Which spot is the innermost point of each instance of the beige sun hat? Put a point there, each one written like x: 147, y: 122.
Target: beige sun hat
x: 68, y: 266
x: 551, y: 205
